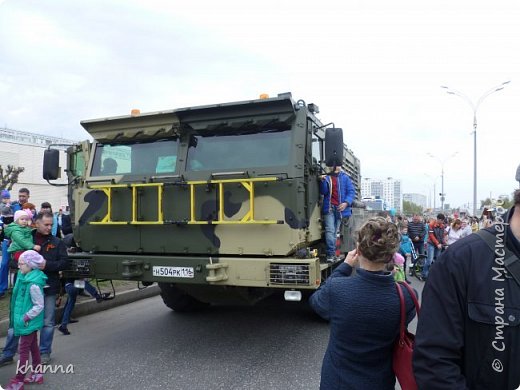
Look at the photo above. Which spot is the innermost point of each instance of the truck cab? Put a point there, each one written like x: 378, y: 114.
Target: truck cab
x: 214, y: 203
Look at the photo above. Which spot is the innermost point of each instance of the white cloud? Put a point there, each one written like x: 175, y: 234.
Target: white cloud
x: 374, y: 68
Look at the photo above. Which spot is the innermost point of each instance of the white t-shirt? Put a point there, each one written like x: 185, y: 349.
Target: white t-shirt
x: 453, y: 235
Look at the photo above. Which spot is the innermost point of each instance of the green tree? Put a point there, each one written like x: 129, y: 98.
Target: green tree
x: 507, y: 202
x: 485, y: 202
x: 411, y: 208
x: 9, y: 176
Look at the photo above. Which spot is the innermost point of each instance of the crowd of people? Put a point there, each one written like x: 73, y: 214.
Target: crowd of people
x: 430, y: 236
x: 34, y: 253
x: 468, y: 334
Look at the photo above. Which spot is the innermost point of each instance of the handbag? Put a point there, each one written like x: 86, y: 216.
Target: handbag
x: 403, y: 347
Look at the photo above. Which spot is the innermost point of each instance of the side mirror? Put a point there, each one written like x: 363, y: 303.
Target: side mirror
x: 333, y: 147
x: 517, y: 176
x: 51, y: 164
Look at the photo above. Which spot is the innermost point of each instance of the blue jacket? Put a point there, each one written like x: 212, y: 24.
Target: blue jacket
x: 15, y: 206
x: 346, y: 193
x: 406, y: 244
x: 364, y: 315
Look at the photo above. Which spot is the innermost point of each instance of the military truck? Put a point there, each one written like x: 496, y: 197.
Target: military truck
x: 214, y: 203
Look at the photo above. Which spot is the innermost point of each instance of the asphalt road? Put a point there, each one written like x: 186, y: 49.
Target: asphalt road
x: 145, y: 345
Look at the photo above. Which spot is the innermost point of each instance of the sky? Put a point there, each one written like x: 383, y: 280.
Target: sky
x: 375, y: 69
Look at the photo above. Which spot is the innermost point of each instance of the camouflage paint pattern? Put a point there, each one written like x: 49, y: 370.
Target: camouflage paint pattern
x: 239, y: 252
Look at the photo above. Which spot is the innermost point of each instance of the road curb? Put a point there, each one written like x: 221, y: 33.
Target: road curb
x: 91, y: 306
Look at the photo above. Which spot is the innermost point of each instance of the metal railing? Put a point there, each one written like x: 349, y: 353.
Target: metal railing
x: 248, y: 218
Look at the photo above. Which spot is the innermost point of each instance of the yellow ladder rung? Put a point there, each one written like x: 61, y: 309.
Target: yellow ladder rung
x: 248, y: 218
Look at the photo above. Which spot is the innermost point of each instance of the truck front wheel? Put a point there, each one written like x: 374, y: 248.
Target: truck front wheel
x: 178, y: 300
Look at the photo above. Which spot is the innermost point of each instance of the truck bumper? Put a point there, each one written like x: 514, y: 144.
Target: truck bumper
x: 286, y: 273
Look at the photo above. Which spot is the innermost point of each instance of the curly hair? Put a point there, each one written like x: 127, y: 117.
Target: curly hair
x: 378, y: 240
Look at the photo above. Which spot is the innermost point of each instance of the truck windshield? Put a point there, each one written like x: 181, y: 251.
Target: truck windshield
x: 153, y: 157
x: 225, y: 150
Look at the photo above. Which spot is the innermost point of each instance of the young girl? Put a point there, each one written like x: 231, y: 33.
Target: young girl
x: 27, y: 317
x: 20, y: 234
x: 405, y: 249
x: 398, y: 269
x: 30, y: 209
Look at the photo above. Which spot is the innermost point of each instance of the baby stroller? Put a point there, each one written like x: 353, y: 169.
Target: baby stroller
x: 417, y: 264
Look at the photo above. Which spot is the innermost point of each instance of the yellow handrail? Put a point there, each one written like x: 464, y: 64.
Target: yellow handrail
x: 107, y: 219
x: 247, y: 219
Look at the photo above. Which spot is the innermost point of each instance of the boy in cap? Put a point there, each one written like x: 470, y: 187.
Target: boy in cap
x: 26, y: 317
x: 6, y: 211
x: 5, y: 205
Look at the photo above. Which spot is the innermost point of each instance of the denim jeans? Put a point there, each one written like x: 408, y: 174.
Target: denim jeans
x: 46, y: 333
x: 91, y: 289
x: 72, y: 295
x: 433, y: 253
x: 11, y: 344
x: 331, y: 222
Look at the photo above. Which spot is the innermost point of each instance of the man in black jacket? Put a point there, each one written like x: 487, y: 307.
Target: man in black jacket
x: 417, y: 232
x: 54, y: 252
x: 468, y: 335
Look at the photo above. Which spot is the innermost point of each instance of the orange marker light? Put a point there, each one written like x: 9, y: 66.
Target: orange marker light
x: 135, y: 112
x: 264, y: 96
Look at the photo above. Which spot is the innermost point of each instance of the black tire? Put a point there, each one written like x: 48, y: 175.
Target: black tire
x: 178, y: 300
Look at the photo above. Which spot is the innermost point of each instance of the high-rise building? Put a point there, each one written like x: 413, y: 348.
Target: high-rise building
x: 388, y: 189
x: 418, y: 199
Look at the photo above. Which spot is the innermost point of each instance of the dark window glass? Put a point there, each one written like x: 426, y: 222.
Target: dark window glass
x: 138, y: 158
x: 221, y: 151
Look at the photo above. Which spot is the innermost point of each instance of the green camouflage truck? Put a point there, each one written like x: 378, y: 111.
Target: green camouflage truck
x: 215, y: 203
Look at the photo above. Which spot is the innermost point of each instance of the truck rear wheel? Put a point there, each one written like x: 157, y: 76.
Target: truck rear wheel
x: 178, y: 300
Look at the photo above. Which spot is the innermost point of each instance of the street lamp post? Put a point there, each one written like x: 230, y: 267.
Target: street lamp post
x: 443, y: 194
x: 475, y: 107
x: 434, y: 191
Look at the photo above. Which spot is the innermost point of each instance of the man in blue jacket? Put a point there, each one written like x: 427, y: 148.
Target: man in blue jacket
x: 338, y: 194
x: 23, y: 197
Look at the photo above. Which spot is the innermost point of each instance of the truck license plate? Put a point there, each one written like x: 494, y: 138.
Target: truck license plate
x: 173, y: 272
